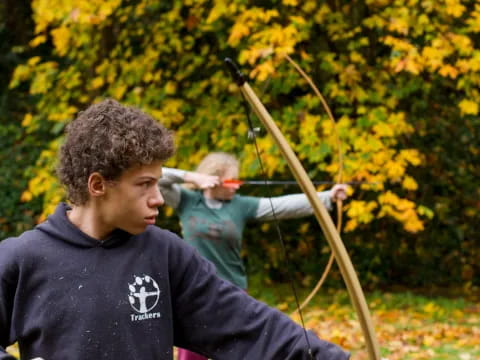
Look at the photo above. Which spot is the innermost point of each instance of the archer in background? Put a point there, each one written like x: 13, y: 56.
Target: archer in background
x: 213, y: 218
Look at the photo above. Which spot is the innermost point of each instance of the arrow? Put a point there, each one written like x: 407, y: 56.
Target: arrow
x: 238, y: 183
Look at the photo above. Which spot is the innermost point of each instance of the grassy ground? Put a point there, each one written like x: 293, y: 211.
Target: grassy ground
x: 408, y: 326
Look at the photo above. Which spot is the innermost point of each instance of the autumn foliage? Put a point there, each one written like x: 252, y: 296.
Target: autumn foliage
x: 401, y: 78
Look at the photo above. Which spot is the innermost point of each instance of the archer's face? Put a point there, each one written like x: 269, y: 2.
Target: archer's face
x: 131, y: 202
x: 226, y: 192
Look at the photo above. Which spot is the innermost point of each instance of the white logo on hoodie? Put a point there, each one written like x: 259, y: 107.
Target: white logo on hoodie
x: 143, y: 297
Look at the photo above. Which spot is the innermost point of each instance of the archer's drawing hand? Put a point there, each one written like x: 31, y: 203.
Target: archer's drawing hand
x: 201, y: 181
x: 339, y: 192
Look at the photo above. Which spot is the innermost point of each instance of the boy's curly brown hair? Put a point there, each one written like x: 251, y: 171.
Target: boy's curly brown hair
x: 109, y: 138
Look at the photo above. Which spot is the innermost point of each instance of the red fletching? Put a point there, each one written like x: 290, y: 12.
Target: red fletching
x: 232, y: 183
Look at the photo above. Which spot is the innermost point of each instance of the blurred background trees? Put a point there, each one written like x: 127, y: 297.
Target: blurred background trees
x: 401, y: 78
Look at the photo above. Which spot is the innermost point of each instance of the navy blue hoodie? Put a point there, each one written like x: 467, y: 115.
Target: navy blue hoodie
x: 67, y: 296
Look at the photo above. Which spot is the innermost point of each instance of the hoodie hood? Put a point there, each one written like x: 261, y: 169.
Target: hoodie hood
x: 59, y: 227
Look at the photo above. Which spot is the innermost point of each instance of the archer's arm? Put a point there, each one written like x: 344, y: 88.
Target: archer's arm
x: 171, y: 178
x: 289, y: 206
x: 297, y: 205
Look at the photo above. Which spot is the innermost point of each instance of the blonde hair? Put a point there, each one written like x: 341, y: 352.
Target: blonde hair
x: 217, y: 163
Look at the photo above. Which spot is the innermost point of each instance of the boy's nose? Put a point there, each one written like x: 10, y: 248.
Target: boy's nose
x: 156, y: 199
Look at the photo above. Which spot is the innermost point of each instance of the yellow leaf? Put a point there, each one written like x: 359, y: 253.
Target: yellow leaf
x: 454, y: 8
x: 351, y: 225
x: 409, y: 183
x: 263, y: 71
x: 394, y: 169
x: 433, y: 57
x: 448, y: 70
x: 462, y: 43
x: 40, y: 84
x: 170, y: 88
x: 383, y: 129
x: 26, y: 196
x: 298, y: 20
x: 239, y: 30
x: 474, y: 21
x: 217, y: 11
x: 399, y: 25
x: 27, y: 120
x: 242, y: 128
x: 148, y: 77
x: 388, y: 198
x: 97, y: 82
x: 424, y: 211
x: 361, y: 110
x: 381, y: 157
x: 61, y: 38
x: 33, y: 61
x: 21, y: 73
x: 413, y: 65
x: 411, y: 155
x: 40, y: 39
x: 357, y: 57
x: 119, y: 91
x: 361, y: 211
x: 413, y: 225
x: 468, y: 107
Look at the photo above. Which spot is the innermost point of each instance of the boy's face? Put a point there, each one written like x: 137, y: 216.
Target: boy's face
x: 131, y: 202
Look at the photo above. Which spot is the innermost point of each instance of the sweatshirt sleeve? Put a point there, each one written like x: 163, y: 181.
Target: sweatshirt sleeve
x: 290, y: 206
x: 221, y: 321
x: 7, y: 289
x: 169, y: 187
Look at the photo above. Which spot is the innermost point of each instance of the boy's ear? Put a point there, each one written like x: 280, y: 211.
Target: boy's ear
x: 96, y: 185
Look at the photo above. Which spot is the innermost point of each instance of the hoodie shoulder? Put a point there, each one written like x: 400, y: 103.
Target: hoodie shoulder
x: 166, y: 240
x: 157, y: 234
x: 21, y: 242
x: 15, y: 249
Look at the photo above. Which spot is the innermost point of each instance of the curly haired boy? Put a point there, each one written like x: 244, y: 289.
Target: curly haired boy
x: 98, y: 279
